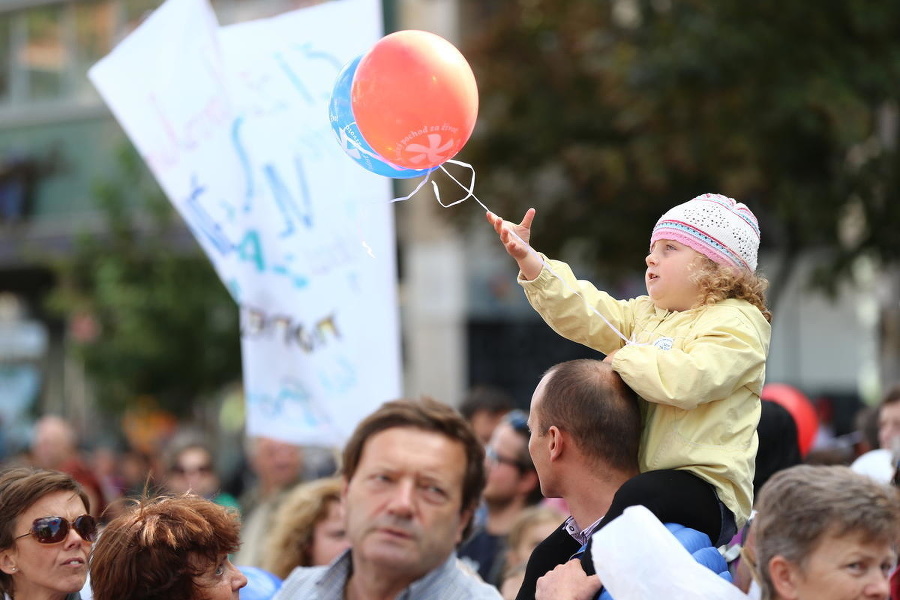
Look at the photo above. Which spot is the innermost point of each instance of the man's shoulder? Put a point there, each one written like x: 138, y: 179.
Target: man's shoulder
x: 450, y: 583
x: 304, y: 582
x: 455, y: 583
x: 558, y: 541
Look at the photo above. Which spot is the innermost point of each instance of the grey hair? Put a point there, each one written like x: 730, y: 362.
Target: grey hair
x: 800, y: 506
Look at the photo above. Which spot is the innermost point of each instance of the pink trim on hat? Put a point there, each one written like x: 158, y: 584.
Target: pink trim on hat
x: 694, y: 242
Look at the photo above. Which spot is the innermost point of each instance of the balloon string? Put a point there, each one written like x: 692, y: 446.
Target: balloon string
x: 544, y: 263
x: 415, y: 191
x: 469, y: 189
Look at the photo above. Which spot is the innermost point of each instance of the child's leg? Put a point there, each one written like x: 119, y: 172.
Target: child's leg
x: 673, y: 496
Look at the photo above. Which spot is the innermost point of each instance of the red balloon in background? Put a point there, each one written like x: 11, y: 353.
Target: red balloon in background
x: 415, y: 99
x: 801, y: 409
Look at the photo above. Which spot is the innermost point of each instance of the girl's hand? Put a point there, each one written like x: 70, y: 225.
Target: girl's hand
x: 515, y: 238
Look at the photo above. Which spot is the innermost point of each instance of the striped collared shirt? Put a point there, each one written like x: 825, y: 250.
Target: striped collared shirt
x: 446, y: 582
x: 582, y: 536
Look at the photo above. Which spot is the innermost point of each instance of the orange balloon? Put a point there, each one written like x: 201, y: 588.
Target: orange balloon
x: 801, y: 409
x: 415, y: 99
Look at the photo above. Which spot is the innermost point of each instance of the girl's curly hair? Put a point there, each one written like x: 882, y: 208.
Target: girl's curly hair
x: 719, y: 282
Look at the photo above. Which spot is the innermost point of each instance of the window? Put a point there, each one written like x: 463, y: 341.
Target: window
x: 134, y: 12
x: 42, y: 59
x: 94, y: 35
x: 46, y: 50
x: 5, y: 46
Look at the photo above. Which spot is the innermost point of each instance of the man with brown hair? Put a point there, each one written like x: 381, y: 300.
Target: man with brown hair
x: 413, y: 474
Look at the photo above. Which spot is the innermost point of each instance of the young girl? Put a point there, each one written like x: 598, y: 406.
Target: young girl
x: 696, y: 352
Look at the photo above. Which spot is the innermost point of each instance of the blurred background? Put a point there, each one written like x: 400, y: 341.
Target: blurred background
x: 602, y: 114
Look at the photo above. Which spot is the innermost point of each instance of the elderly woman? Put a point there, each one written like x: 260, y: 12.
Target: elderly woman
x: 310, y: 530
x: 46, y: 533
x: 168, y: 548
x: 825, y: 533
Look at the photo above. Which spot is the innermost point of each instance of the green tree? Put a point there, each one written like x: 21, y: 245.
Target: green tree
x: 165, y: 325
x: 605, y: 114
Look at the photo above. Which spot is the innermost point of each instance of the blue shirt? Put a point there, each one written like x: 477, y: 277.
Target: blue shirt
x: 446, y: 582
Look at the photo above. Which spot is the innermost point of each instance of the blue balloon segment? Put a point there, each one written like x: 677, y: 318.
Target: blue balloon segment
x: 261, y: 584
x: 340, y: 113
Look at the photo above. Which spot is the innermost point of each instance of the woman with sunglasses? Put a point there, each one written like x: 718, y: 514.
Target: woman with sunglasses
x: 191, y: 469
x: 46, y: 533
x: 168, y: 548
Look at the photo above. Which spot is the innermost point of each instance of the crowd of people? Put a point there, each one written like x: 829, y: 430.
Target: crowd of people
x: 426, y: 501
x: 420, y: 506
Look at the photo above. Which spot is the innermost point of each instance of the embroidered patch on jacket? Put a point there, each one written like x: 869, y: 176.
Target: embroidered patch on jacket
x: 664, y: 343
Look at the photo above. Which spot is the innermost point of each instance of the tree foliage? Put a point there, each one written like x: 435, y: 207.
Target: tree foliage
x: 604, y: 114
x: 166, y: 328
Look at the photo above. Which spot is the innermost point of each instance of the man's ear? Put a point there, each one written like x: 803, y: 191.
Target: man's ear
x: 784, y: 575
x: 464, y: 518
x: 555, y: 442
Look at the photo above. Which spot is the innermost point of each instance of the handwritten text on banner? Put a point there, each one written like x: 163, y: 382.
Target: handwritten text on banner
x: 233, y: 123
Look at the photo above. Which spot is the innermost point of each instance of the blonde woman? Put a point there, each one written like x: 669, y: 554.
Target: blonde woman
x: 310, y: 528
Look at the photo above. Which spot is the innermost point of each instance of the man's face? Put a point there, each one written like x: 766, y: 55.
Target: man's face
x: 277, y: 463
x: 504, y: 471
x: 888, y: 424
x: 537, y: 444
x: 404, y: 503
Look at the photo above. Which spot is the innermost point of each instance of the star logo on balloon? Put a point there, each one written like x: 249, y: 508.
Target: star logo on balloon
x: 350, y: 147
x: 433, y: 153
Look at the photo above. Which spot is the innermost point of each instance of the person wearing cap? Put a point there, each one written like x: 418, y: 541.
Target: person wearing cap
x: 694, y: 348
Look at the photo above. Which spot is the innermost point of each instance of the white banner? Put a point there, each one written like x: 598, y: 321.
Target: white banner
x: 233, y: 122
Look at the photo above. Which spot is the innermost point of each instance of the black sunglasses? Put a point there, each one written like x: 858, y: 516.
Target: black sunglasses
x: 201, y: 470
x: 52, y: 530
x: 495, y: 458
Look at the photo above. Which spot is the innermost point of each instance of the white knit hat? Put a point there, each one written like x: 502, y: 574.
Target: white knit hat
x: 714, y: 225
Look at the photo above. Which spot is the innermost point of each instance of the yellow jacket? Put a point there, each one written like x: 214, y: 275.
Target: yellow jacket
x: 701, y: 371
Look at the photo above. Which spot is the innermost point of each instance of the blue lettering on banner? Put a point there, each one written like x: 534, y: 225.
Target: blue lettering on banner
x: 251, y: 249
x: 292, y: 399
x: 297, y: 83
x: 245, y: 161
x: 290, y: 209
x: 308, y: 52
x: 339, y: 380
x: 202, y: 223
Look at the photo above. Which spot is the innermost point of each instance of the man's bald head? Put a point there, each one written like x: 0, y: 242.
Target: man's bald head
x: 589, y: 401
